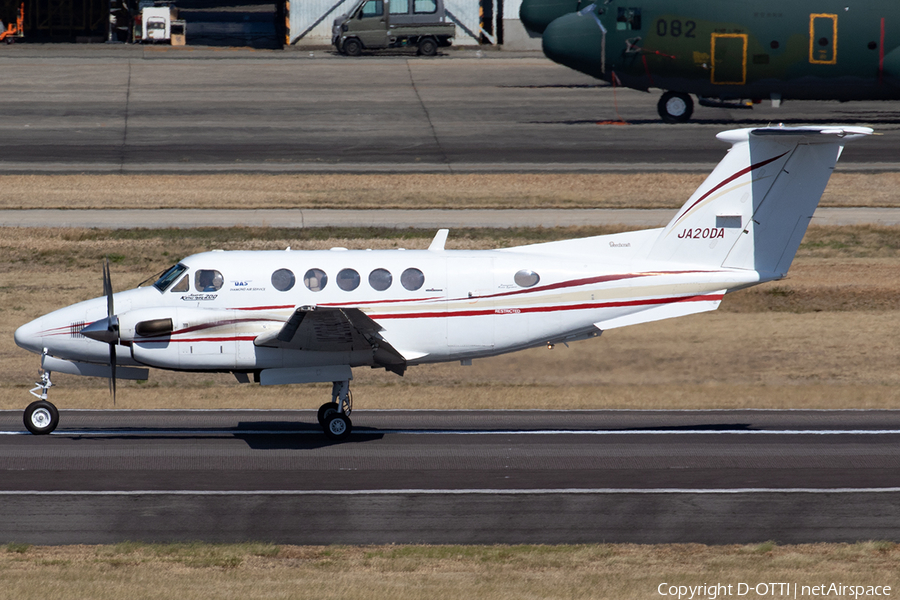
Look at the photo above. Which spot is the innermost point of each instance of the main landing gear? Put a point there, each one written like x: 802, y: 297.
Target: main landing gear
x: 334, y: 416
x: 41, y: 417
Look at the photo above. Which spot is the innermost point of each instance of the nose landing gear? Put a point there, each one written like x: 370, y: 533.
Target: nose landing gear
x: 41, y: 417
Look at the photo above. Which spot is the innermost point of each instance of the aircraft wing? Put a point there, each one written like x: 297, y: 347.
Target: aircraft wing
x: 332, y: 329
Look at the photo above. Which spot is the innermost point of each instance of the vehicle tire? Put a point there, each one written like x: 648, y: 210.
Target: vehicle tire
x: 325, y: 411
x: 352, y: 47
x: 337, y: 427
x: 675, y: 107
x: 41, y: 417
x: 428, y: 47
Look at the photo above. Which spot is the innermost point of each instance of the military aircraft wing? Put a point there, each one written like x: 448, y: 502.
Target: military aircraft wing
x: 334, y: 329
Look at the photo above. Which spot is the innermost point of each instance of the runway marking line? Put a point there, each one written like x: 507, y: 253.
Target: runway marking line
x: 597, y: 432
x: 459, y: 492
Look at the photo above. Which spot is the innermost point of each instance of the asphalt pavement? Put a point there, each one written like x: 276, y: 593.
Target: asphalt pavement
x: 729, y: 476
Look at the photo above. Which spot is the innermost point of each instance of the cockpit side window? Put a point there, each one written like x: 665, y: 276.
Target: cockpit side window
x: 183, y: 285
x: 628, y: 19
x: 208, y: 280
x: 169, y: 277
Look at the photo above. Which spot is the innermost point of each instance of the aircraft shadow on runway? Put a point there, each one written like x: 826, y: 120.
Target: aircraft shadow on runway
x: 267, y: 435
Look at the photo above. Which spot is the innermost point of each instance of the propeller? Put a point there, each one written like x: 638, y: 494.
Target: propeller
x: 107, y: 330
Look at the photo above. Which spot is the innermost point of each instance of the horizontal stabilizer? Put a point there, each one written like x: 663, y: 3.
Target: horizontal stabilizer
x: 686, y: 306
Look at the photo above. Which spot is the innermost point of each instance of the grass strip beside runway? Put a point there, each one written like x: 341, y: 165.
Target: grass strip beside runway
x: 403, y: 191
x: 261, y: 570
x: 825, y: 337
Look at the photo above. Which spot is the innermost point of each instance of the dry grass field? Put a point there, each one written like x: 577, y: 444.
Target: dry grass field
x: 826, y: 337
x: 405, y: 191
x: 264, y: 571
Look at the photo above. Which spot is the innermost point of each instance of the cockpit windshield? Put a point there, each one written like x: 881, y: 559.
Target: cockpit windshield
x: 169, y: 277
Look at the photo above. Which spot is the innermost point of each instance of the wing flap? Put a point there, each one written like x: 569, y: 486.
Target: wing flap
x: 327, y: 329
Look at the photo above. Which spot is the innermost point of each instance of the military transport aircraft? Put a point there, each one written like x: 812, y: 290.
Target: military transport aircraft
x: 253, y: 314
x: 729, y: 54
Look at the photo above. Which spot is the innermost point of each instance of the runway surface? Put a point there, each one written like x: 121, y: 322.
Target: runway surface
x: 454, y: 477
x: 394, y: 219
x: 133, y: 109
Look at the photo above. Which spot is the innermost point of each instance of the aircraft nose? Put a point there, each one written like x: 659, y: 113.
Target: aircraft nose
x: 576, y: 41
x: 30, y: 336
x: 537, y: 14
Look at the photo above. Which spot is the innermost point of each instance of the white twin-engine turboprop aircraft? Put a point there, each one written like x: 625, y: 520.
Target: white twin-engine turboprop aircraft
x: 281, y: 317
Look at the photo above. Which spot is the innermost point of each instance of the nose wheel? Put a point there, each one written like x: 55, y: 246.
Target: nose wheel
x: 41, y: 417
x: 675, y: 107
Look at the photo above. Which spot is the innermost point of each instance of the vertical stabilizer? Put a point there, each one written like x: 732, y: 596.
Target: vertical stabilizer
x: 753, y: 210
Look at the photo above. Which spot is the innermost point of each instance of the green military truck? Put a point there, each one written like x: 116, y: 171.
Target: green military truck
x: 379, y: 24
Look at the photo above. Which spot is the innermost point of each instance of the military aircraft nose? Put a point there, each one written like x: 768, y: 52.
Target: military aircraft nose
x: 30, y: 336
x: 537, y: 14
x: 576, y: 41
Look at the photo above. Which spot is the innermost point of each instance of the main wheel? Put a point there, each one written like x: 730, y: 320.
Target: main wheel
x: 325, y: 411
x: 428, y: 47
x: 352, y: 47
x: 338, y: 427
x: 41, y: 417
x: 675, y: 107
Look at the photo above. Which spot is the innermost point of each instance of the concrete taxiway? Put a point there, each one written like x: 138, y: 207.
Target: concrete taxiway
x: 454, y: 477
x: 128, y: 109
x: 394, y: 219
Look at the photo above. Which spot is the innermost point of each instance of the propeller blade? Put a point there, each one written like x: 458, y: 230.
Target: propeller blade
x: 112, y: 327
x: 112, y: 376
x: 107, y: 288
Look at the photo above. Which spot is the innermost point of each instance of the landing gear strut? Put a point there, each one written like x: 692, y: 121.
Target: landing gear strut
x: 334, y: 416
x: 41, y: 417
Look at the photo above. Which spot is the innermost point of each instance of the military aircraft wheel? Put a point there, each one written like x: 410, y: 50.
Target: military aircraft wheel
x: 41, y: 417
x: 337, y: 427
x: 428, y: 47
x: 352, y: 47
x: 325, y: 411
x: 675, y: 107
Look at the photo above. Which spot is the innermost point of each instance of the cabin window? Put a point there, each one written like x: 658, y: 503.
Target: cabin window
x: 208, y: 280
x: 425, y: 6
x: 398, y: 7
x: 412, y: 279
x: 167, y: 278
x: 526, y: 278
x: 628, y: 19
x: 380, y: 279
x: 348, y: 280
x: 183, y: 285
x: 315, y: 280
x: 283, y: 280
x: 372, y: 8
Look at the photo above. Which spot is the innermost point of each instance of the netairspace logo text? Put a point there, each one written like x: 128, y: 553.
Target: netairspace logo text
x: 771, y: 590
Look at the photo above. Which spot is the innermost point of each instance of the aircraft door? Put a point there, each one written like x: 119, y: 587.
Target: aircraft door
x: 823, y: 39
x: 729, y: 58
x: 470, y: 321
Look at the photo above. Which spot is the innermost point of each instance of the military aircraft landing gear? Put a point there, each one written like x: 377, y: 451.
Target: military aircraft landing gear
x: 675, y: 107
x: 334, y: 416
x: 41, y: 417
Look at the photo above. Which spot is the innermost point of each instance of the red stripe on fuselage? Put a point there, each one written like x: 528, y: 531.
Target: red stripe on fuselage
x: 545, y: 309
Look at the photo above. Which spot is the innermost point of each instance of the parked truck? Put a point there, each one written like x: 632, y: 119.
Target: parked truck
x: 379, y: 24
